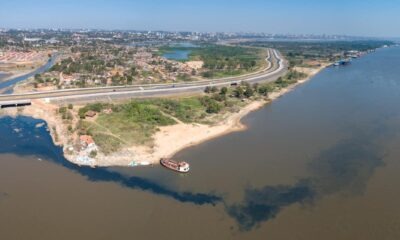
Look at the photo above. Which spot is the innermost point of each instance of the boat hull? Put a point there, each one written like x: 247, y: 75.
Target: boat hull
x: 181, y: 167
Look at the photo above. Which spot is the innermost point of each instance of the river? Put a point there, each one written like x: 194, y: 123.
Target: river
x: 321, y: 162
x: 177, y: 54
x: 11, y: 82
x: 180, y: 51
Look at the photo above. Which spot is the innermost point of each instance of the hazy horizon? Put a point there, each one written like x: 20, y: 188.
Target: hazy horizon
x: 352, y: 18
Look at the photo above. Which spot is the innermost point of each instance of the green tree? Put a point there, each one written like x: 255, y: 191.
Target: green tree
x: 265, y: 89
x: 38, y: 78
x: 255, y: 87
x: 219, y: 97
x: 62, y: 110
x: 207, y: 89
x: 93, y: 154
x: 214, y: 89
x: 279, y: 80
x: 249, y: 92
x: 129, y: 79
x: 223, y: 91
x: 238, y: 92
x: 208, y: 74
x: 213, y: 106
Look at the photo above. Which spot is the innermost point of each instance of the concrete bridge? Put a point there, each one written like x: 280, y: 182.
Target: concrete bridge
x: 15, y: 103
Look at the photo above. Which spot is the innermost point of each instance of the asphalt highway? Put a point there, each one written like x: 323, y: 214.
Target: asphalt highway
x: 277, y: 66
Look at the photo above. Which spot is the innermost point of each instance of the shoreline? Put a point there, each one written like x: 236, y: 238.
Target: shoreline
x: 168, y: 141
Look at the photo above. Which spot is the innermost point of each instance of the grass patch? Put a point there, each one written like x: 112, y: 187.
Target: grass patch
x: 186, y: 110
x: 131, y: 123
x: 223, y: 61
x: 108, y: 144
x: 135, y: 122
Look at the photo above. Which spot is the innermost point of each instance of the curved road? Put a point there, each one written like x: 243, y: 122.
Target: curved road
x: 276, y: 68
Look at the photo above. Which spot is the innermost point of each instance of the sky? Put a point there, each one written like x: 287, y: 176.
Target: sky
x: 372, y: 18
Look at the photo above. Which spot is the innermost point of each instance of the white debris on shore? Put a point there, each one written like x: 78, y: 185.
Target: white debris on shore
x: 39, y: 125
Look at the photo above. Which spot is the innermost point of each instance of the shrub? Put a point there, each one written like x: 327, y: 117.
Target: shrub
x: 214, y: 89
x: 265, y: 89
x: 62, y: 110
x: 208, y: 74
x: 213, y: 107
x: 219, y: 97
x: 93, y: 154
x: 249, y: 92
x: 223, y: 91
x: 238, y: 92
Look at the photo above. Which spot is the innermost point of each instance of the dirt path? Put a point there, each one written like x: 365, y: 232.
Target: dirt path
x: 172, y: 117
x: 108, y: 132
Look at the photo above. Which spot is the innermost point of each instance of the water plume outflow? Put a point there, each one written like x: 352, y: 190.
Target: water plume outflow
x: 35, y: 141
x: 344, y: 167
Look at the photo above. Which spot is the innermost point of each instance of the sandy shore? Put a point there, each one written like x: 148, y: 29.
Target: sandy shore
x: 311, y: 72
x: 171, y: 139
x: 168, y: 141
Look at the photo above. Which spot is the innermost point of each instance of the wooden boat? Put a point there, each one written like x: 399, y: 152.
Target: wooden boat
x: 182, y: 167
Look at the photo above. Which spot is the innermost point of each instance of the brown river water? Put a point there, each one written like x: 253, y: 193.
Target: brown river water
x: 322, y: 162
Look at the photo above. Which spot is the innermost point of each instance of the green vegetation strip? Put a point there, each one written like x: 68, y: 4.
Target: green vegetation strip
x: 299, y: 52
x: 222, y: 61
x: 135, y: 122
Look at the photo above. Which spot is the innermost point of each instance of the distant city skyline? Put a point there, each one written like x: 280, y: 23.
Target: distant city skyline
x: 369, y: 18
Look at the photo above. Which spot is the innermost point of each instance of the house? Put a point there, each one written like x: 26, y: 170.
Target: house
x: 87, y: 147
x: 66, y: 79
x: 86, y: 140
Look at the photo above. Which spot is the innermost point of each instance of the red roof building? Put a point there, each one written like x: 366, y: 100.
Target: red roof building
x: 86, y: 139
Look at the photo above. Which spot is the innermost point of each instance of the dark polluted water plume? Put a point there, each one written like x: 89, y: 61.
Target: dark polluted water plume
x: 21, y: 136
x: 260, y: 205
x: 344, y: 167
